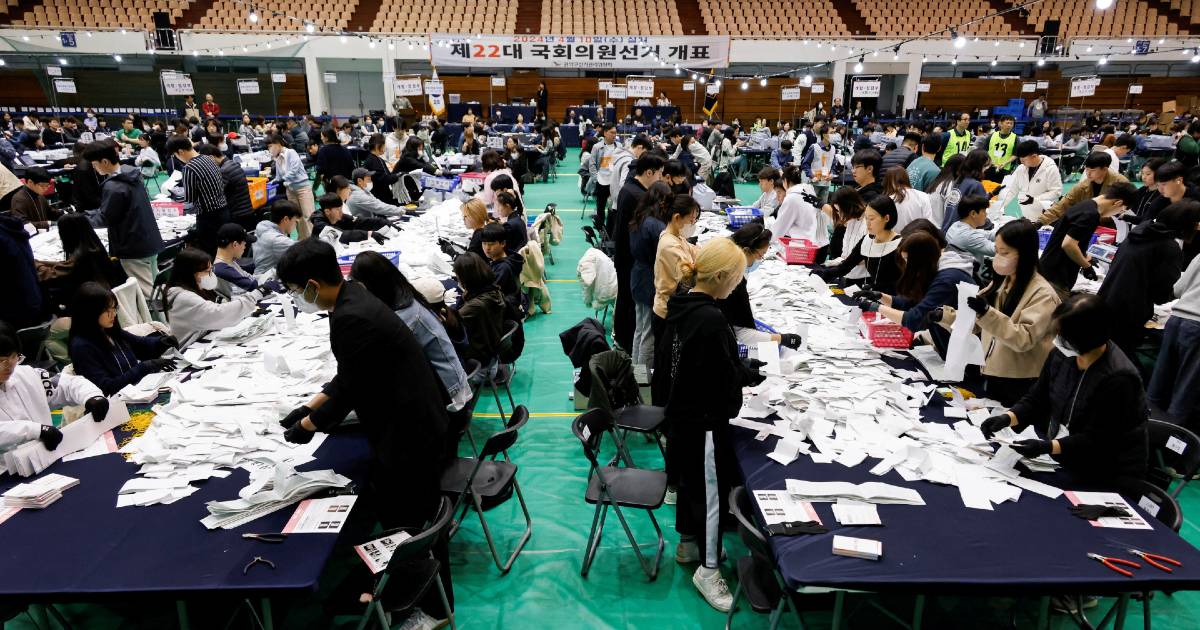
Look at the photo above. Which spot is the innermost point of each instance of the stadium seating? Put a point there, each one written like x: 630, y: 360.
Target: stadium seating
x: 892, y: 19
x: 773, y: 18
x: 609, y: 17
x: 132, y: 14
x: 325, y: 14
x: 446, y: 16
x: 1081, y: 19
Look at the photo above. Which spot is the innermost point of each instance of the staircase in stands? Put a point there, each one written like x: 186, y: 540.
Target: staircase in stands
x: 852, y: 18
x: 363, y: 16
x: 529, y: 17
x: 690, y: 18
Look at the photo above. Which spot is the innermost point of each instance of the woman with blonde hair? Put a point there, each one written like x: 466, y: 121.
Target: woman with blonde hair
x: 698, y: 354
x: 475, y: 216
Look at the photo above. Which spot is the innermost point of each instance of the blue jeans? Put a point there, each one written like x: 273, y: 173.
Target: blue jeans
x: 1175, y: 385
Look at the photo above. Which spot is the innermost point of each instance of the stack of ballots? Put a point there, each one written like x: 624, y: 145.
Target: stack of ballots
x: 39, y: 493
x: 33, y: 457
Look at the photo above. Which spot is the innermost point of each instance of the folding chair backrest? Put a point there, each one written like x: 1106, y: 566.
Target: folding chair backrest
x: 504, y: 349
x: 33, y: 341
x: 131, y: 303
x: 421, y: 543
x: 501, y: 441
x: 590, y: 428
x: 167, y: 255
x: 613, y: 383
x: 1169, y: 513
x: 743, y: 508
x: 1172, y: 448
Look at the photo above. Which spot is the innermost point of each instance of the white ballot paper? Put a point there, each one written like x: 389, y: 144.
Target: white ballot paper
x: 849, y: 512
x: 377, y: 553
x: 964, y: 347
x: 32, y: 457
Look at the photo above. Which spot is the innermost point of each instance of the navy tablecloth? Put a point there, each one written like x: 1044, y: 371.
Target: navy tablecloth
x: 84, y: 547
x: 1031, y: 546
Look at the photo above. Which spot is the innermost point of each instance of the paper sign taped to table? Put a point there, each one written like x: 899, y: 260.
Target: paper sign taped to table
x: 1133, y: 521
x: 377, y: 553
x: 320, y: 516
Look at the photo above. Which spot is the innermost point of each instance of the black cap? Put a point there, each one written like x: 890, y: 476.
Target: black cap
x: 233, y: 233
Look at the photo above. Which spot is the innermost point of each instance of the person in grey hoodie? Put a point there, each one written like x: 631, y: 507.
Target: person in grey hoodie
x: 274, y: 235
x: 290, y: 171
x: 966, y: 235
x: 362, y: 204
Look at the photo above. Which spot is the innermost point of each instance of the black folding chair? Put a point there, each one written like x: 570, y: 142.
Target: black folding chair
x: 610, y: 486
x: 503, y: 375
x: 489, y: 482
x: 1174, y: 454
x: 413, y: 568
x: 616, y: 391
x: 475, y: 381
x: 167, y: 256
x: 33, y: 345
x: 157, y: 305
x: 758, y: 577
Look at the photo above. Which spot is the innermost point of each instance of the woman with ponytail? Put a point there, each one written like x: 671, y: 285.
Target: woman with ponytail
x: 644, y: 231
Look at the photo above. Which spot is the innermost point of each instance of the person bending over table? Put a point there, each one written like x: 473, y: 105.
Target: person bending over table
x: 381, y: 370
x: 337, y: 226
x: 797, y: 217
x: 766, y: 185
x: 845, y: 209
x: 192, y: 303
x: 699, y: 352
x: 1065, y: 256
x: 754, y: 240
x: 27, y: 394
x: 412, y: 158
x: 875, y: 251
x: 361, y: 203
x: 275, y: 234
x: 1089, y: 387
x: 1013, y: 315
x: 105, y: 353
x: 30, y: 203
x: 231, y: 246
x: 929, y: 280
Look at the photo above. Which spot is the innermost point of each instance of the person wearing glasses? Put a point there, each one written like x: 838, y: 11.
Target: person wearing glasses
x: 27, y: 394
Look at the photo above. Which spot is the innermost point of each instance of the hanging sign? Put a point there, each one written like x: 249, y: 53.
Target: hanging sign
x: 1084, y: 87
x: 617, y: 93
x: 247, y: 86
x: 175, y: 84
x: 818, y: 88
x: 605, y: 86
x: 1135, y: 88
x: 1043, y: 85
x: 434, y: 88
x: 712, y: 88
x: 590, y: 52
x: 790, y: 93
x: 64, y: 86
x: 640, y: 88
x: 1028, y: 87
x: 497, y: 81
x: 867, y: 88
x: 407, y: 86
x: 331, y: 77
x: 922, y: 87
x: 278, y: 77
x: 689, y: 86
x: 54, y: 71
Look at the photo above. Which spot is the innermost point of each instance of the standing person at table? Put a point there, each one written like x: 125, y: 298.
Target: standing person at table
x: 957, y: 141
x: 290, y: 172
x: 210, y: 107
x: 600, y: 168
x: 1175, y: 385
x: 133, y: 236
x: 1036, y: 183
x: 967, y: 182
x: 27, y: 394
x: 924, y: 169
x: 333, y: 158
x: 543, y: 100
x: 1144, y: 272
x: 237, y: 188
x: 674, y: 250
x: 939, y: 189
x: 645, y: 228
x: 1064, y: 257
x: 412, y: 159
x: 381, y: 176
x: 193, y: 306
x: 875, y: 251
x: 797, y: 217
x: 690, y: 152
x: 754, y: 240
x: 698, y: 355
x: 492, y: 163
x: 1089, y: 387
x: 646, y: 171
x: 276, y: 234
x: 105, y: 353
x: 380, y: 369
x: 1000, y: 145
x: 204, y: 189
x: 1096, y: 177
x: 1013, y: 313
x: 29, y: 202
x: 928, y: 280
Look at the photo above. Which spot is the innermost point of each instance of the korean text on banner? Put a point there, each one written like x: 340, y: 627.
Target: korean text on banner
x: 790, y: 94
x: 407, y: 86
x: 434, y: 88
x: 618, y: 93
x: 580, y: 51
x: 640, y: 88
x: 1084, y: 87
x: 866, y: 89
x: 177, y: 84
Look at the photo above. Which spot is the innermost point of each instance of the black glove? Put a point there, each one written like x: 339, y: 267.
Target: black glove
x: 296, y: 415
x: 272, y: 285
x: 1089, y: 273
x: 1093, y: 512
x: 378, y: 237
x: 297, y: 434
x: 753, y: 376
x: 1032, y: 448
x: 1131, y: 219
x: 867, y: 294
x: 796, y: 528
x: 994, y: 424
x: 934, y: 315
x: 693, y: 240
x: 978, y: 304
x: 867, y: 306
x: 50, y: 436
x: 162, y: 365
x: 1027, y: 200
x: 169, y: 341
x: 97, y: 406
x: 790, y: 340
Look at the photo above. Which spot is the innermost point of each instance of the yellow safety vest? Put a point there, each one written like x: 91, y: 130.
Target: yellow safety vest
x: 1000, y: 149
x: 956, y: 144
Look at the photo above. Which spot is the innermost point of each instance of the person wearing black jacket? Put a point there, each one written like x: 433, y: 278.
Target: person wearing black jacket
x: 105, y: 353
x: 333, y: 158
x: 506, y: 265
x: 85, y: 182
x: 412, y: 159
x: 382, y: 177
x: 22, y: 305
x: 754, y: 240
x: 645, y: 171
x: 351, y: 229
x: 1089, y: 387
x: 133, y: 236
x: 381, y: 372
x: 1144, y: 271
x: 698, y: 355
x: 237, y: 188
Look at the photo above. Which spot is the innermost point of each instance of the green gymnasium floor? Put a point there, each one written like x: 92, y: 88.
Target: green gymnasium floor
x: 544, y: 589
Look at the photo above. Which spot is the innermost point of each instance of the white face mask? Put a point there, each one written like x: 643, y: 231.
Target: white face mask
x: 303, y: 304
x: 688, y: 230
x: 1065, y: 347
x: 368, y: 187
x: 1004, y: 265
x: 223, y: 147
x: 208, y: 281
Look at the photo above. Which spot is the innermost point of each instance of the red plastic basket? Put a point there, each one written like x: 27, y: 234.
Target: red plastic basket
x: 886, y: 334
x: 798, y: 251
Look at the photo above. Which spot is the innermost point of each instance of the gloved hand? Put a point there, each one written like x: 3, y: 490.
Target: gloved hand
x: 867, y: 306
x: 1027, y: 200
x: 978, y: 304
x: 1032, y: 448
x: 1089, y: 273
x: 162, y: 365
x: 169, y: 341
x: 934, y: 315
x: 753, y: 376
x: 693, y: 240
x: 98, y: 407
x: 297, y: 434
x: 790, y: 340
x: 796, y: 528
x: 378, y: 237
x: 50, y: 437
x: 995, y: 424
x: 1130, y: 218
x: 296, y: 415
x: 273, y: 285
x: 1093, y: 512
x: 867, y: 294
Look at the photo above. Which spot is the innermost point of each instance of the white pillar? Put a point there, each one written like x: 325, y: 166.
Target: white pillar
x: 839, y: 82
x: 910, y: 87
x: 315, y: 79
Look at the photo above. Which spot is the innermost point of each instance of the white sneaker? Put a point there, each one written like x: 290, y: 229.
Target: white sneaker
x: 418, y: 620
x: 687, y: 553
x: 713, y: 588
x: 670, y: 497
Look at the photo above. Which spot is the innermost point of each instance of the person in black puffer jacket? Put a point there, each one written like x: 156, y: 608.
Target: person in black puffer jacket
x: 349, y: 229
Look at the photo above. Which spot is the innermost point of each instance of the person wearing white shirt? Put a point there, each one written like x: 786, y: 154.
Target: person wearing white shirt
x: 28, y: 393
x: 1036, y: 184
x: 797, y: 217
x: 193, y: 305
x: 911, y: 204
x: 766, y: 183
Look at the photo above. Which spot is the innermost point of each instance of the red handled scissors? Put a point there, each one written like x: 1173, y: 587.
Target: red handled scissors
x: 1113, y: 562
x: 1151, y: 559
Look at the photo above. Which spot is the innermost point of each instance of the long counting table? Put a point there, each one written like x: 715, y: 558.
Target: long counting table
x: 1033, y: 546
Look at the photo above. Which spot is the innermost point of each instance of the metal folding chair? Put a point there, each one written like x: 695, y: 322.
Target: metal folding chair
x: 1174, y: 454
x: 758, y: 576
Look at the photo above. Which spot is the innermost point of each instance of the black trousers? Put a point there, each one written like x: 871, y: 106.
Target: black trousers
x: 707, y: 471
x: 207, y: 224
x: 624, y: 317
x: 601, y: 199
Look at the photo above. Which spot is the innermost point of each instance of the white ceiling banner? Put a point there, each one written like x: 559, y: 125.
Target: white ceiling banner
x: 596, y: 52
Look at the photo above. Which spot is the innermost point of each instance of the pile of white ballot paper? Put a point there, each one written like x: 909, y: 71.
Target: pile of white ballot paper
x: 837, y: 402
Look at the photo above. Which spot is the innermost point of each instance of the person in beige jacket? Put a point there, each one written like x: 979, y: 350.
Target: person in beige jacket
x: 1096, y: 177
x: 1014, y: 315
x: 674, y: 249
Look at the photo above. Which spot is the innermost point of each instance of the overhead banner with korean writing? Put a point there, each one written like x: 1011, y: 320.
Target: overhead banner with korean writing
x: 578, y: 51
x: 865, y: 88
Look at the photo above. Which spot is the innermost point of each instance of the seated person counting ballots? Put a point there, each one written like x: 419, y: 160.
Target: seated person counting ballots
x: 845, y: 209
x: 193, y: 306
x: 754, y: 240
x: 331, y: 223
x: 275, y: 234
x: 105, y: 353
x: 1105, y: 413
x: 231, y: 246
x: 797, y: 216
x: 475, y: 218
x: 27, y: 394
x: 875, y: 251
x: 506, y: 264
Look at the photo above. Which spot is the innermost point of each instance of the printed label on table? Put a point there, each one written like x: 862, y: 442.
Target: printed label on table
x: 320, y: 516
x: 1133, y: 521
